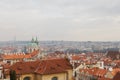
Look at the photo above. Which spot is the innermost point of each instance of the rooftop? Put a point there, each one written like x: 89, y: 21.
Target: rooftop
x: 42, y: 66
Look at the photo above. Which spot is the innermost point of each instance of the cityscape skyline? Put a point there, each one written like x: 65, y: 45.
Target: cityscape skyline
x: 59, y: 39
x: 68, y: 20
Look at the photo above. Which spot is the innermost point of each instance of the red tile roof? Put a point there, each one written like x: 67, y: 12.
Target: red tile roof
x: 42, y: 66
x: 115, y: 71
x: 20, y: 55
x: 113, y: 54
x: 78, y: 57
x: 75, y: 57
x: 6, y: 66
x: 117, y: 76
x: 103, y: 78
x: 95, y: 72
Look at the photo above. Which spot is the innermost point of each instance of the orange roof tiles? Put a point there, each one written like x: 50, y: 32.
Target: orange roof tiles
x: 117, y: 76
x: 115, y: 71
x: 95, y: 71
x: 6, y: 66
x: 46, y: 67
x: 113, y: 54
x: 103, y: 78
x: 42, y: 66
x: 20, y: 55
x: 76, y: 58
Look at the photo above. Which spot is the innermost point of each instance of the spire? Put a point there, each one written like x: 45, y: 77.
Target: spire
x: 32, y: 41
x: 36, y: 41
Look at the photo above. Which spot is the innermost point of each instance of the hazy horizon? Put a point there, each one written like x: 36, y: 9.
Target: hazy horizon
x: 67, y: 20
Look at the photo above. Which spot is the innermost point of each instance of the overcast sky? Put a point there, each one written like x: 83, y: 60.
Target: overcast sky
x: 69, y: 20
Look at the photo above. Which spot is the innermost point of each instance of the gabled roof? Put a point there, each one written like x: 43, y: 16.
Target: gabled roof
x: 42, y: 66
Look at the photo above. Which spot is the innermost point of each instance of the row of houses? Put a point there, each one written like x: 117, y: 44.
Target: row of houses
x: 95, y: 67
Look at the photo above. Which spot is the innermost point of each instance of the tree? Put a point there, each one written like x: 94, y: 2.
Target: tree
x: 93, y: 78
x: 12, y: 75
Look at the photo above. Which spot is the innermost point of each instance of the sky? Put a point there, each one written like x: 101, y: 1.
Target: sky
x: 69, y: 20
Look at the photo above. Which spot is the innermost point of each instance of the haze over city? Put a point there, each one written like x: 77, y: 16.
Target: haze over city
x: 69, y: 20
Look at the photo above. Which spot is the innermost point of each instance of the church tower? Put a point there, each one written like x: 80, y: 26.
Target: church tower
x: 32, y: 41
x: 36, y: 41
x: 33, y: 45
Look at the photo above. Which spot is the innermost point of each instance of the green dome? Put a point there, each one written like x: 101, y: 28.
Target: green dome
x: 32, y: 45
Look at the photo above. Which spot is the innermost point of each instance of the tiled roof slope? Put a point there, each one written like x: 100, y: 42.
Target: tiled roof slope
x: 115, y: 71
x: 20, y: 55
x: 41, y: 67
x: 103, y: 78
x: 117, y: 76
x: 95, y: 71
x: 113, y: 54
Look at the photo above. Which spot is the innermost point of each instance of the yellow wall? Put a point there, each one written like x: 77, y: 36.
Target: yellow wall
x: 109, y: 75
x: 70, y: 74
x: 32, y: 76
x: 38, y: 77
x: 60, y: 76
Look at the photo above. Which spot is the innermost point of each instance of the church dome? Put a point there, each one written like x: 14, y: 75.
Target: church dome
x: 32, y: 45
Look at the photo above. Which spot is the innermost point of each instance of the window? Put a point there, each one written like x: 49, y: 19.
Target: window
x: 26, y: 78
x: 8, y: 61
x: 54, y: 78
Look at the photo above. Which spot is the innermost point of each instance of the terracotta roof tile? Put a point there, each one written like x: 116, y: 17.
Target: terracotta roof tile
x: 115, y: 71
x: 20, y: 55
x: 41, y: 66
x: 95, y: 72
x: 117, y: 76
x: 103, y: 78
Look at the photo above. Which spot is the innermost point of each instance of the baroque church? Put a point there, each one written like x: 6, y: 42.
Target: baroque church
x: 32, y: 46
x: 31, y: 52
